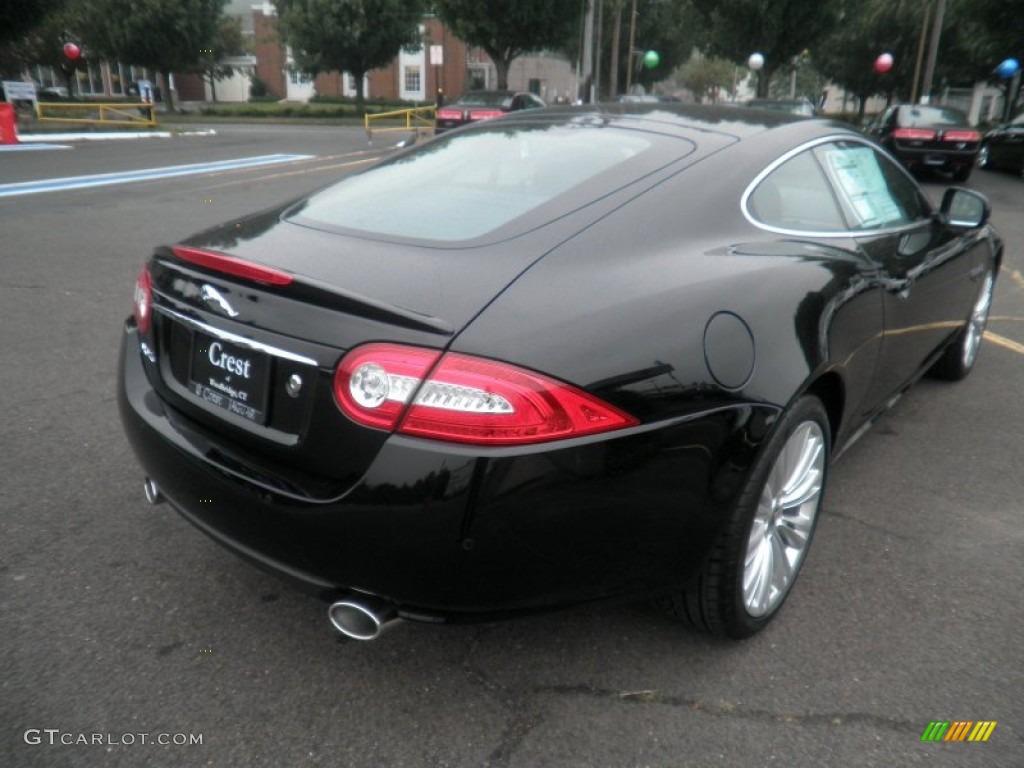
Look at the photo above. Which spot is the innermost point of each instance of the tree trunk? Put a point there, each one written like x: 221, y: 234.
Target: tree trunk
x: 764, y: 79
x: 862, y: 105
x: 501, y: 66
x: 613, y: 66
x: 213, y: 87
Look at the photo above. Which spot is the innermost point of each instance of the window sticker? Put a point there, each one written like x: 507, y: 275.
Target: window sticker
x: 862, y: 183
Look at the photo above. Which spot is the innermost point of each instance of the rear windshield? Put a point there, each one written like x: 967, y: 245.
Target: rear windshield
x: 486, y: 98
x: 911, y: 117
x: 467, y: 185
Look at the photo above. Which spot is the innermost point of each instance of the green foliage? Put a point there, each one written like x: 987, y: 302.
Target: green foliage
x: 704, y: 77
x: 258, y: 108
x: 228, y: 41
x: 18, y: 17
x: 780, y: 30
x: 670, y: 28
x: 353, y: 36
x: 866, y: 30
x: 506, y: 29
x: 163, y: 35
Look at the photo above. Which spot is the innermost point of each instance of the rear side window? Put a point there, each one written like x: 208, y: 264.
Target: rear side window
x: 874, y: 192
x: 468, y: 185
x: 797, y: 196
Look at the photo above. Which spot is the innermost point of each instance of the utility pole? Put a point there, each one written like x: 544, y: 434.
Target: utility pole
x: 613, y: 68
x: 588, y: 55
x: 933, y: 50
x: 632, y: 43
x: 920, y: 52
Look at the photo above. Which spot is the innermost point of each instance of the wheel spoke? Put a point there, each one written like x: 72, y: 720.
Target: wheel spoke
x: 781, y: 565
x: 975, y: 330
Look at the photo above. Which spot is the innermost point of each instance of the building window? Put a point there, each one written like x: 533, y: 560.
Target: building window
x: 412, y: 79
x: 90, y: 81
x: 118, y: 78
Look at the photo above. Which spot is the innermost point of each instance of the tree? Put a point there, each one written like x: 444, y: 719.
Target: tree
x: 866, y: 29
x: 17, y: 17
x: 353, y: 36
x: 705, y: 77
x: 229, y: 41
x: 506, y: 29
x: 978, y: 35
x: 44, y: 43
x: 779, y: 30
x: 671, y: 28
x: 163, y: 35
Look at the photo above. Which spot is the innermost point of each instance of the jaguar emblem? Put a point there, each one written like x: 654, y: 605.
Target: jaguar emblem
x: 213, y: 299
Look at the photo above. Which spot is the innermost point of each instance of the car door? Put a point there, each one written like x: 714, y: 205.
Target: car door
x: 1006, y: 147
x: 927, y: 271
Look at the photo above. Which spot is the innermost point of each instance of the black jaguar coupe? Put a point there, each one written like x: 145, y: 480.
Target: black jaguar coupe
x: 561, y: 356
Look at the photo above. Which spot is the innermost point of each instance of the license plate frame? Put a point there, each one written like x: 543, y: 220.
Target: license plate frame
x: 230, y: 376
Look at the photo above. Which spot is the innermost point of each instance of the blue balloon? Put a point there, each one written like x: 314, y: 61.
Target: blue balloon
x: 1008, y: 68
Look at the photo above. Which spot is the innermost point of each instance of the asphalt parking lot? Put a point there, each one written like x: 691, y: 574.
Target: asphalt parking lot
x: 119, y: 619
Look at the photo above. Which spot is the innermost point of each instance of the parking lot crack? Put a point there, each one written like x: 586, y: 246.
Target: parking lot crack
x: 523, y: 714
x: 730, y: 709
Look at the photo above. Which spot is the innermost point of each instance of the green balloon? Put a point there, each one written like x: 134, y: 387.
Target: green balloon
x: 651, y: 59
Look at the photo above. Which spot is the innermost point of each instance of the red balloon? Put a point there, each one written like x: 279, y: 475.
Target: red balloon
x: 883, y: 63
x: 72, y: 51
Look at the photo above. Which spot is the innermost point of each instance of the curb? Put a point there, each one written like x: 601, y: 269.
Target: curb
x: 110, y: 136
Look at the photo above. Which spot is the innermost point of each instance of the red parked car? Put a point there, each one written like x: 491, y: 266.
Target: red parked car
x: 483, y: 105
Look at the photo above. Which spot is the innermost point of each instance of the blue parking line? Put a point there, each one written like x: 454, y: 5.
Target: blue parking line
x: 147, y: 174
x: 30, y: 147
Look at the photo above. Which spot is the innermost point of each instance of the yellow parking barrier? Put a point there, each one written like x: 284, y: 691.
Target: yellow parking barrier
x: 415, y: 120
x: 143, y: 113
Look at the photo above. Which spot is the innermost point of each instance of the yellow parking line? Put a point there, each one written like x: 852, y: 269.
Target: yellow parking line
x: 1015, y: 276
x: 1005, y: 343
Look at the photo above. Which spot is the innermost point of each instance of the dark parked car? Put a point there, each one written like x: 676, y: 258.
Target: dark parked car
x: 801, y: 107
x: 925, y: 137
x: 1003, y: 147
x: 483, y: 105
x: 574, y: 354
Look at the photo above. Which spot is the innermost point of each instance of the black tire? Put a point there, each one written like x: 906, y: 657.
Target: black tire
x: 960, y: 356
x: 715, y: 601
x: 962, y: 174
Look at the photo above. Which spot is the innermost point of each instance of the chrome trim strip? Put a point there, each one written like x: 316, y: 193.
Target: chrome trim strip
x: 846, y: 234
x: 234, y: 338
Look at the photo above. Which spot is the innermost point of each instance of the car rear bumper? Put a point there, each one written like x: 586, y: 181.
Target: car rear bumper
x: 446, y: 532
x: 936, y: 159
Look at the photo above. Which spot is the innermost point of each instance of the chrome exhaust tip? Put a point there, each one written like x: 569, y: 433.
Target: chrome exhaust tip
x: 362, y: 618
x: 153, y: 495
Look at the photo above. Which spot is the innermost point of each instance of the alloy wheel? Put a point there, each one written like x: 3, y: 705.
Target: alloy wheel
x: 784, y: 520
x: 975, y: 330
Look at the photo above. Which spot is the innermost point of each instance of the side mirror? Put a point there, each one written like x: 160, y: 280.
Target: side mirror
x: 965, y: 208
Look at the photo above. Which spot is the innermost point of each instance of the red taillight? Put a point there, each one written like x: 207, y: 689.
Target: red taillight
x: 231, y: 265
x: 465, y: 399
x: 485, y: 114
x: 449, y: 114
x: 961, y: 136
x: 913, y: 134
x: 142, y: 300
x: 374, y: 382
